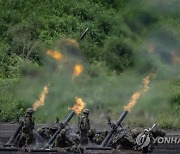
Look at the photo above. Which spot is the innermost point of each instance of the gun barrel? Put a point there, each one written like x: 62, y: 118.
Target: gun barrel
x: 12, y: 139
x: 153, y: 126
x: 70, y: 116
x: 53, y: 138
x: 111, y: 132
x: 121, y: 118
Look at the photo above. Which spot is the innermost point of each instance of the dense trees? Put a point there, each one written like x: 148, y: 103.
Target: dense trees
x: 117, y: 27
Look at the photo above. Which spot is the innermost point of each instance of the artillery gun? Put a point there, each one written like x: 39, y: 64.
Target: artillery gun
x: 14, y: 138
x: 105, y: 145
x: 113, y: 129
x: 51, y: 141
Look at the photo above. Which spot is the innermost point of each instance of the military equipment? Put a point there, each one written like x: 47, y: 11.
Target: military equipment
x: 100, y: 150
x: 51, y: 142
x: 30, y: 111
x: 85, y: 111
x: 14, y: 137
x: 84, y: 33
x: 47, y: 131
x: 143, y: 139
x: 113, y: 129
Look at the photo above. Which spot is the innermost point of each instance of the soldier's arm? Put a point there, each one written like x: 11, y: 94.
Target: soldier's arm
x: 70, y: 140
x: 26, y: 121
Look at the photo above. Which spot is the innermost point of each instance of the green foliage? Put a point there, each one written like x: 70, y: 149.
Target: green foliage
x: 175, y: 100
x: 117, y: 54
x: 170, y: 122
x: 11, y: 67
x: 10, y: 108
x: 29, y: 24
x: 116, y: 29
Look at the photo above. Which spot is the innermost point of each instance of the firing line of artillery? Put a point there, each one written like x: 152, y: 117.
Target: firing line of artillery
x: 85, y: 139
x: 59, y: 136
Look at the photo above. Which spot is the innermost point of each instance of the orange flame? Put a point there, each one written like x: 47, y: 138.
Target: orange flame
x: 78, y: 106
x: 72, y: 42
x: 41, y: 100
x: 55, y: 54
x: 135, y: 97
x: 146, y: 82
x: 78, y: 69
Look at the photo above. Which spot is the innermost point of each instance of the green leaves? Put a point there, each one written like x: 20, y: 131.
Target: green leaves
x: 117, y: 54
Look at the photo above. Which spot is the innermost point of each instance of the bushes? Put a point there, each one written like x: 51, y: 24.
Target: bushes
x: 11, y: 67
x: 31, y: 24
x: 10, y: 107
x: 175, y: 100
x: 117, y: 54
x: 116, y: 28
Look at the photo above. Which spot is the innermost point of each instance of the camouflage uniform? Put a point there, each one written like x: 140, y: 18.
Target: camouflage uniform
x: 128, y: 139
x: 91, y: 135
x: 99, y: 137
x: 47, y: 132
x: 27, y: 136
x: 150, y: 134
x: 64, y: 140
x: 123, y: 139
x: 84, y: 126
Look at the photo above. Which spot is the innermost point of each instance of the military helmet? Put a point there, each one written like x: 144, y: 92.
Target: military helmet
x: 30, y: 111
x: 86, y: 111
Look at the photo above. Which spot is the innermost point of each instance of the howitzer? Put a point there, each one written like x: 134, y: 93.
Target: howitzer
x: 15, y: 135
x: 50, y: 143
x: 113, y: 129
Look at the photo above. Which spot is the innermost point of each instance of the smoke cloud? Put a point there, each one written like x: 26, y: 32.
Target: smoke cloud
x: 102, y: 90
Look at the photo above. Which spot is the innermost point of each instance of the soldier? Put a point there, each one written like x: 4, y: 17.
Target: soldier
x: 133, y: 139
x: 47, y: 132
x: 64, y: 140
x: 100, y: 136
x: 27, y: 136
x: 91, y: 135
x: 122, y: 139
x: 84, y: 126
x: 126, y: 139
x: 144, y: 140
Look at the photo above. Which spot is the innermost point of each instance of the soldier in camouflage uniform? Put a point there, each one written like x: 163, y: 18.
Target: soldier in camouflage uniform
x: 97, y: 137
x: 64, y: 140
x: 144, y: 140
x: 84, y: 126
x: 124, y: 139
x: 46, y: 132
x: 27, y: 136
x: 127, y: 139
